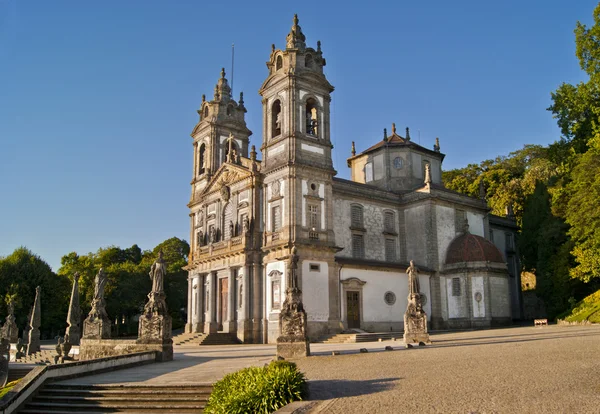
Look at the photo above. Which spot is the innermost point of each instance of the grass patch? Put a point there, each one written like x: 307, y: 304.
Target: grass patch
x: 257, y: 389
x: 586, y: 310
x: 7, y: 388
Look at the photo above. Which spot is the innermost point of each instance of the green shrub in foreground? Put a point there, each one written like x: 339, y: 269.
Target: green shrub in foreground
x: 257, y: 389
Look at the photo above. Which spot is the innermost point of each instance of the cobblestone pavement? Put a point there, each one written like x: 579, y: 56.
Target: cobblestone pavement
x: 554, y: 369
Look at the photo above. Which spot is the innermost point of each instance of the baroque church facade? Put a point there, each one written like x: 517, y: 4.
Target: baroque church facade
x: 354, y: 238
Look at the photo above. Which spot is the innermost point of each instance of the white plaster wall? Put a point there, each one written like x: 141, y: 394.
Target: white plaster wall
x: 445, y: 230
x: 378, y: 283
x: 280, y: 266
x: 457, y: 305
x: 315, y: 291
x: 416, y: 242
x: 500, y: 297
x: 478, y: 307
x: 475, y: 223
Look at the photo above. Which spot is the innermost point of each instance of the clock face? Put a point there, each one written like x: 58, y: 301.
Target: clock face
x: 398, y: 162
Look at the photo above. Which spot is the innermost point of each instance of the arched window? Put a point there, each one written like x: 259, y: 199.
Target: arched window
x: 308, y: 61
x: 201, y: 154
x: 312, y: 122
x: 229, y: 110
x: 279, y: 63
x: 276, y: 119
x: 205, y: 112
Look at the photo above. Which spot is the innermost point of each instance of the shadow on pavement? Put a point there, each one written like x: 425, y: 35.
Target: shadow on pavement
x: 327, y: 389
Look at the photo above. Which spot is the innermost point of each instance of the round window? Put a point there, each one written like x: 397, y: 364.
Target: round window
x: 398, y: 162
x: 423, y: 299
x: 389, y: 298
x: 313, y: 186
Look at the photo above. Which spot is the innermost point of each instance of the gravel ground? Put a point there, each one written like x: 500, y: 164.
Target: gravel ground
x: 551, y: 369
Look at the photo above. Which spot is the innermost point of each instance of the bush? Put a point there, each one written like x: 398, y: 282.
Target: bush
x: 257, y: 390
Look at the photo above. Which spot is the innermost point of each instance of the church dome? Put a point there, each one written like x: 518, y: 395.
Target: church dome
x: 471, y: 248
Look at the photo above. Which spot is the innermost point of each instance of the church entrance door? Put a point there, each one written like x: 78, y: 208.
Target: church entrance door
x: 223, y: 299
x: 353, y: 309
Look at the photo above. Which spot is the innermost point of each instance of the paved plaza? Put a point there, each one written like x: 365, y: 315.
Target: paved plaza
x: 526, y: 369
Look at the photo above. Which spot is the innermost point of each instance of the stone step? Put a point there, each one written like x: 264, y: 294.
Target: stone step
x: 15, y: 373
x: 112, y: 398
x: 219, y: 339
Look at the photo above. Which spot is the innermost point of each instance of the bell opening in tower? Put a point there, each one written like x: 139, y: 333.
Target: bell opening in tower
x: 276, y: 121
x: 311, y: 117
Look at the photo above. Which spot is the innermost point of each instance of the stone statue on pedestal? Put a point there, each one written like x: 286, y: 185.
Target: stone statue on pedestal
x: 155, y: 322
x: 10, y: 330
x: 415, y: 318
x: 97, y: 324
x: 293, y: 341
x: 33, y: 344
x: 73, y: 332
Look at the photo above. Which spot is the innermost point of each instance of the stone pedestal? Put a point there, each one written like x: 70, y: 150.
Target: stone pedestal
x: 415, y: 322
x: 96, y: 328
x: 155, y: 326
x: 33, y: 344
x: 73, y: 334
x: 293, y: 341
x: 10, y: 330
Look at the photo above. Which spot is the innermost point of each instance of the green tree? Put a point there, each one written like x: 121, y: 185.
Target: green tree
x: 583, y: 213
x: 20, y: 273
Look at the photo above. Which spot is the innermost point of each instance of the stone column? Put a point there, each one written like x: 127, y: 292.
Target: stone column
x: 190, y: 310
x: 257, y: 289
x: 210, y: 326
x: 231, y: 326
x: 243, y: 325
x: 73, y: 333
x: 33, y: 344
x: 197, y: 293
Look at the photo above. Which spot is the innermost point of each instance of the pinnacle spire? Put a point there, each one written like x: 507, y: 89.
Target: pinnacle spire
x: 296, y: 39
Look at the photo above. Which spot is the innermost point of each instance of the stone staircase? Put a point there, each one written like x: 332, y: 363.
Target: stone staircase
x: 219, y: 339
x: 346, y: 337
x: 41, y: 357
x: 187, y: 338
x: 59, y: 398
x: 16, y: 372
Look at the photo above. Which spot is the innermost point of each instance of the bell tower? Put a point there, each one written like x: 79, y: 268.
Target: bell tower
x: 296, y: 99
x: 219, y: 118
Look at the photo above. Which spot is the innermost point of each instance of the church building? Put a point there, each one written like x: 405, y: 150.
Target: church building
x: 354, y: 238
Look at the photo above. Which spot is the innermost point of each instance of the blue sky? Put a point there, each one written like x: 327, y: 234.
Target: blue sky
x: 97, y: 99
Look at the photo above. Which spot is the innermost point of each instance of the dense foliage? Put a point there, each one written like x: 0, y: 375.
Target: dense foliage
x: 586, y: 310
x: 554, y: 190
x: 257, y: 389
x: 128, y: 284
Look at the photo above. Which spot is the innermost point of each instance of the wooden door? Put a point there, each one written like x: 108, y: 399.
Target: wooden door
x: 353, y: 309
x: 223, y: 301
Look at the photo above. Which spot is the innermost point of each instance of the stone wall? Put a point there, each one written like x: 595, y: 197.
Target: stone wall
x: 102, y: 348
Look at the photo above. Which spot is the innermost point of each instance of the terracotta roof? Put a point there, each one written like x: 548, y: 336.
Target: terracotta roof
x: 471, y: 248
x: 396, y: 140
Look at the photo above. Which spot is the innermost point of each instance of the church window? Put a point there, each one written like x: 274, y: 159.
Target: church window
x: 276, y: 218
x: 308, y: 61
x: 388, y: 222
x: 229, y: 110
x: 278, y: 63
x: 201, y: 154
x: 368, y: 172
x: 389, y: 298
x: 509, y: 241
x: 492, y: 235
x: 315, y: 267
x: 456, y: 286
x: 276, y: 119
x: 390, y: 250
x: 234, y: 148
x: 276, y: 294
x: 312, y: 123
x: 205, y: 112
x: 314, y: 217
x: 356, y: 217
x: 358, y: 246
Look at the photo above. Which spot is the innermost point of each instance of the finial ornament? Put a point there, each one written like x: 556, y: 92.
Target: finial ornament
x: 436, y: 147
x: 272, y: 47
x: 407, y: 134
x: 203, y: 98
x: 242, y: 98
x: 393, y: 127
x: 385, y: 134
x: 319, y: 46
x: 222, y: 73
x: 295, y: 20
x: 427, y: 174
x: 353, y: 149
x: 253, y: 153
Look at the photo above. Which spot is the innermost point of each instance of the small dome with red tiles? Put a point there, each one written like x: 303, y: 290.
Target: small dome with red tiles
x: 471, y: 248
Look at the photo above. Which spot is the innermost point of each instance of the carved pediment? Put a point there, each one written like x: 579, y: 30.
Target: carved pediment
x: 227, y: 175
x: 352, y: 283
